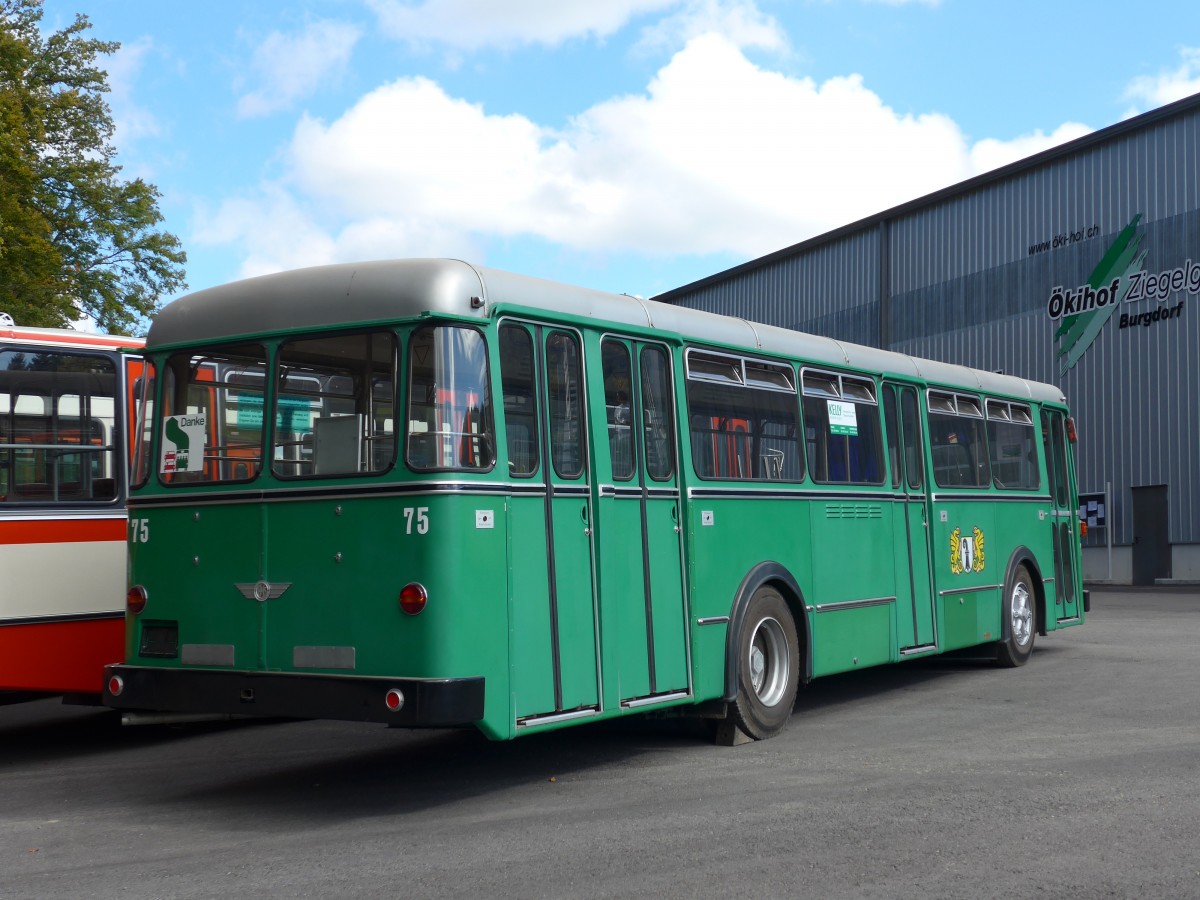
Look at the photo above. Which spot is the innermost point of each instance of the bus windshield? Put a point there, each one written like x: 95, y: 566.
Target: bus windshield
x: 449, y: 403
x: 212, y: 425
x: 334, y: 406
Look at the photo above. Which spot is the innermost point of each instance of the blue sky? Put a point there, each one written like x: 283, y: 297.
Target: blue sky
x: 627, y: 145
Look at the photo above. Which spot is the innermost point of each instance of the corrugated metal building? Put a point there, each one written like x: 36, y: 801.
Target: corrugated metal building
x: 1079, y: 266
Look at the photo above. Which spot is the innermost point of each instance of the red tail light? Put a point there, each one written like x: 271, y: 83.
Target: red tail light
x: 413, y: 598
x: 135, y: 600
x: 1082, y: 528
x: 1072, y: 436
x: 116, y: 684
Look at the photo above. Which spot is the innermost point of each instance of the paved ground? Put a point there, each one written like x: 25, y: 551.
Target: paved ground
x: 1075, y: 776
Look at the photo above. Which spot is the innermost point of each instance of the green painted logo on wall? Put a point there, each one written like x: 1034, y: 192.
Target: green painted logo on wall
x: 1085, y: 310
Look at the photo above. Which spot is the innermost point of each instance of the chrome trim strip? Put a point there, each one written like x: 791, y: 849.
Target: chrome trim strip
x: 571, y: 490
x: 635, y: 493
x: 1070, y: 621
x: 63, y: 619
x: 924, y: 648
x: 968, y: 590
x: 853, y: 604
x: 58, y: 513
x: 1000, y: 496
x: 551, y: 718
x: 713, y: 620
x: 345, y: 492
x: 794, y: 491
x: 658, y: 698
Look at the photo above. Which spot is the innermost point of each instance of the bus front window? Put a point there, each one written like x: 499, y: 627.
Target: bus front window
x: 449, y: 411
x: 212, y: 424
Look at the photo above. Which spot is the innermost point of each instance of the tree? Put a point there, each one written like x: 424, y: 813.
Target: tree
x: 76, y: 239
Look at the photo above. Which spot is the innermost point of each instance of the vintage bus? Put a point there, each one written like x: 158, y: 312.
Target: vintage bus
x: 425, y: 493
x: 64, y: 463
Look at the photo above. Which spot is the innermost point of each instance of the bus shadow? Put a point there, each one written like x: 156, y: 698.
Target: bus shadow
x: 48, y: 730
x: 426, y: 770
x: 833, y: 691
x: 417, y: 771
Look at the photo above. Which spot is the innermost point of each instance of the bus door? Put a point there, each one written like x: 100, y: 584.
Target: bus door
x: 1062, y: 514
x: 554, y: 645
x: 905, y: 440
x: 640, y: 551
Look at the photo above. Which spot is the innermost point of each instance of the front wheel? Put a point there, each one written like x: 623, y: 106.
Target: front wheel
x: 1020, y: 618
x: 768, y: 669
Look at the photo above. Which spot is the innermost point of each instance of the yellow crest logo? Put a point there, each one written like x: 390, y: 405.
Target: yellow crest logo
x: 966, y: 551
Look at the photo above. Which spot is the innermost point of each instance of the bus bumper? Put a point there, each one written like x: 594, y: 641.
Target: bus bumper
x: 404, y: 702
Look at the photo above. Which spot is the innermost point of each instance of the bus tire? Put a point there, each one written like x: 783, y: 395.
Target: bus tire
x: 1020, y: 620
x: 768, y: 666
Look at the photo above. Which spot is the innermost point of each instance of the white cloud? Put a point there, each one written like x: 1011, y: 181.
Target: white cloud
x: 471, y: 24
x: 275, y: 230
x: 131, y: 120
x: 290, y: 67
x: 716, y: 155
x: 739, y: 21
x: 990, y: 153
x: 1150, y: 91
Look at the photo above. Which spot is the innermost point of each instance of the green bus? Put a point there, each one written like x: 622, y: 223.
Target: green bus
x: 425, y: 493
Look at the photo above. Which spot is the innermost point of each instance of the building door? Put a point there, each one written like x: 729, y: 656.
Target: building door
x: 1151, y: 545
x: 640, y: 532
x: 915, y: 618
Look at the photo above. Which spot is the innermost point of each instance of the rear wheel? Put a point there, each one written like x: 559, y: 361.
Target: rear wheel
x: 1020, y: 620
x: 768, y: 668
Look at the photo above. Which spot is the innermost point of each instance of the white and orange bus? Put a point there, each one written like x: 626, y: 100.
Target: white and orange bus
x: 65, y: 402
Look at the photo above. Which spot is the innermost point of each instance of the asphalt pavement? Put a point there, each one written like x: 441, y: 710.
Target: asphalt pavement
x: 1077, y: 775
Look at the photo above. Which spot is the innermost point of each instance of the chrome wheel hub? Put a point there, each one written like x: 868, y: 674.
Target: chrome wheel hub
x: 767, y: 664
x: 1021, y: 615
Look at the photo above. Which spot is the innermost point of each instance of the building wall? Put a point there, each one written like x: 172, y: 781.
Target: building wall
x: 965, y: 276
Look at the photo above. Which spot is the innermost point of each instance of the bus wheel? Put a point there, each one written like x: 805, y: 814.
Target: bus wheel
x: 1020, y: 616
x: 768, y: 666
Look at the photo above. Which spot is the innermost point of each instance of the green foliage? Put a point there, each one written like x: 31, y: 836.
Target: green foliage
x: 75, y: 238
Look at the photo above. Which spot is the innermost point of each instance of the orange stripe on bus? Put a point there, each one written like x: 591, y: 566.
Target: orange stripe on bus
x: 62, y: 531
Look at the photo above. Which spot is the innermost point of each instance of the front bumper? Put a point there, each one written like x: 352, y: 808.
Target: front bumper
x: 427, y: 702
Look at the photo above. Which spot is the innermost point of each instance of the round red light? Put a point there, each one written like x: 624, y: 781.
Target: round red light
x: 394, y: 700
x: 136, y: 599
x: 116, y: 684
x: 413, y: 598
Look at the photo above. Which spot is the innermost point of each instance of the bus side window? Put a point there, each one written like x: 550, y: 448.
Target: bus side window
x: 565, y: 393
x: 958, y: 442
x: 841, y: 423
x: 658, y: 416
x: 618, y: 388
x: 518, y: 386
x: 893, y: 433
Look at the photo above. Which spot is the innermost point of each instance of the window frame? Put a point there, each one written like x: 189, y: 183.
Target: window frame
x: 760, y: 376
x: 825, y: 385
x: 279, y: 389
x: 946, y: 403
